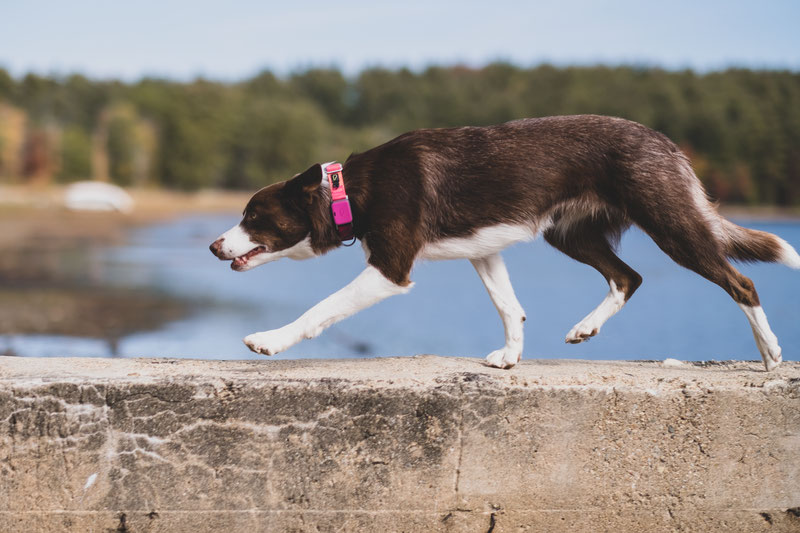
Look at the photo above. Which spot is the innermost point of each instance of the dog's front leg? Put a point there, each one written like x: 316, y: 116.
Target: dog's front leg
x: 369, y: 288
x: 494, y: 275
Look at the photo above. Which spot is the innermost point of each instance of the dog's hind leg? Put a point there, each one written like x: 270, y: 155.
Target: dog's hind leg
x: 694, y: 245
x: 669, y: 203
x: 494, y: 275
x: 587, y: 241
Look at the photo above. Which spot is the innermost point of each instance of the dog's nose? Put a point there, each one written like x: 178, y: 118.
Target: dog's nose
x: 215, y: 247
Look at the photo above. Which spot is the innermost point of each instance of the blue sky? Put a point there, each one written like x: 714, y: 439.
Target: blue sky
x: 232, y: 40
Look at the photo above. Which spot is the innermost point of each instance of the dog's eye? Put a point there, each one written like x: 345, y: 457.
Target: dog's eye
x: 251, y: 216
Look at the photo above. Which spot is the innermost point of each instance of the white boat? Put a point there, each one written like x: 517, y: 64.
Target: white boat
x: 97, y: 196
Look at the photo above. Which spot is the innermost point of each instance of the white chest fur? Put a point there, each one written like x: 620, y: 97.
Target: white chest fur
x: 484, y: 242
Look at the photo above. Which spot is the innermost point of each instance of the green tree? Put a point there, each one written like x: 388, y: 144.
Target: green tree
x: 741, y: 127
x: 76, y: 150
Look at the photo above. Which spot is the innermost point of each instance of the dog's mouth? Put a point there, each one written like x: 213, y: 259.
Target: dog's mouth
x: 240, y: 262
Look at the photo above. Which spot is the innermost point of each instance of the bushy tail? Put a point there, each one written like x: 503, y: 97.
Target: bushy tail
x: 743, y: 244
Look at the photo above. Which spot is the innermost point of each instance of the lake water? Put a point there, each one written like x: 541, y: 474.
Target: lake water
x: 674, y: 314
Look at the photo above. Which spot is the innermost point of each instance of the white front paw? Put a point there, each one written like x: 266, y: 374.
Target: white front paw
x: 271, y: 342
x: 505, y: 357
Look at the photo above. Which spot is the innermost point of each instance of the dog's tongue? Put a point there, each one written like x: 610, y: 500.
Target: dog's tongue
x: 243, y: 259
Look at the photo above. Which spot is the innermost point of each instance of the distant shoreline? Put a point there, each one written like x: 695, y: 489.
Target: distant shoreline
x: 30, y: 214
x: 150, y: 200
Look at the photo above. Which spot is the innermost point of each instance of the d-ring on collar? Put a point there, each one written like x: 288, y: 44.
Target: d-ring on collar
x: 340, y: 204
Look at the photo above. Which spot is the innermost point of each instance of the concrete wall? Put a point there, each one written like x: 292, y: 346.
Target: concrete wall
x: 402, y: 444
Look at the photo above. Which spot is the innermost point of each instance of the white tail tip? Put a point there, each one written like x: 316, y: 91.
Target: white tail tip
x: 788, y: 255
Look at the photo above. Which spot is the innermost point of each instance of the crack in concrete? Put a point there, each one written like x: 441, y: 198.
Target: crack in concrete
x: 492, y: 522
x: 122, y: 527
x: 460, y: 380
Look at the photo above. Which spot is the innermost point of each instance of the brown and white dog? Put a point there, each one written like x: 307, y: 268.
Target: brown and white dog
x: 579, y: 181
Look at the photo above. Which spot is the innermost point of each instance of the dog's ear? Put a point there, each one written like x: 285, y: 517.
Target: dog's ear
x: 306, y: 184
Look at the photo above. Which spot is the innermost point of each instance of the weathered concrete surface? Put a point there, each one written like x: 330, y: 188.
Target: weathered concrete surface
x: 402, y: 444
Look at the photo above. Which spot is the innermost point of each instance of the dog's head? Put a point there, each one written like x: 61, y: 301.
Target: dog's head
x: 276, y: 223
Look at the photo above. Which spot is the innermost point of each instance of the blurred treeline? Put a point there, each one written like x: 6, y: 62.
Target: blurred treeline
x: 741, y: 128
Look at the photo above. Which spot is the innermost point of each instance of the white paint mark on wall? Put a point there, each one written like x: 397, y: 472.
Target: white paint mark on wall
x: 90, y: 481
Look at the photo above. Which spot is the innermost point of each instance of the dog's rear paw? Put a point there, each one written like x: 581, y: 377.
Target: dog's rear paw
x: 772, y: 364
x: 770, y: 350
x: 503, y: 358
x: 771, y: 355
x: 581, y: 332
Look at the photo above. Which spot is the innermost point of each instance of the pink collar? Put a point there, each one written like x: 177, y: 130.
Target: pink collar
x: 340, y: 204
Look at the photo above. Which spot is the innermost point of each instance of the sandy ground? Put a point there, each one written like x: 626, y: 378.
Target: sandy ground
x: 420, y: 371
